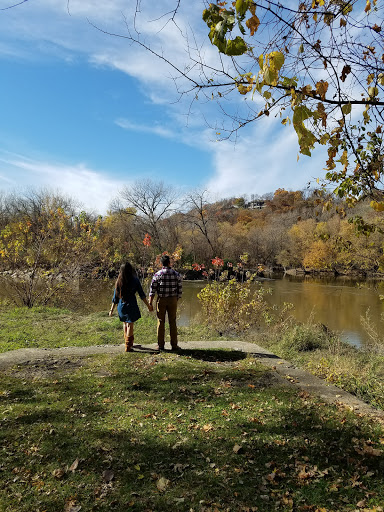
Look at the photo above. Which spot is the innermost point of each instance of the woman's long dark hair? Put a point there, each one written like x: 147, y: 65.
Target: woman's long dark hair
x: 124, y: 280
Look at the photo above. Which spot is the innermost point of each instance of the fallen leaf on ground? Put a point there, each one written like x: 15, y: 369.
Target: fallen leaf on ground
x: 162, y: 484
x: 71, y: 506
x: 108, y: 475
x: 368, y: 450
x: 74, y: 465
x: 58, y: 473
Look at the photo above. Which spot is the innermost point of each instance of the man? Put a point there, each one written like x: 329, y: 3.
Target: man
x: 167, y: 284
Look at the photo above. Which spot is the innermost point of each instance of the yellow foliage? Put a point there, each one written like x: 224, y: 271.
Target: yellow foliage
x: 318, y: 256
x: 377, y: 206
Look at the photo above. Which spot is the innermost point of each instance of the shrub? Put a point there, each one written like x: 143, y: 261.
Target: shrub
x: 232, y: 306
x: 305, y: 338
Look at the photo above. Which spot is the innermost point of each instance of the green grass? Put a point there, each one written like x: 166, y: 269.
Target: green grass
x: 46, y: 327
x: 204, y: 430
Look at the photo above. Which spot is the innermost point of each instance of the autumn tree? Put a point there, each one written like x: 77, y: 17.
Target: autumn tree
x: 44, y: 245
x: 320, y: 69
x: 120, y: 239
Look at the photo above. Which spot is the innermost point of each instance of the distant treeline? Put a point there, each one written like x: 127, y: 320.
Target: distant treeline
x: 284, y: 230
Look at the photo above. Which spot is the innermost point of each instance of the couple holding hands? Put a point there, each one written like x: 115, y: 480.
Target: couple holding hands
x: 166, y: 284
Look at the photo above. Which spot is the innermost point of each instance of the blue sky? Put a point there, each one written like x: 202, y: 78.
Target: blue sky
x: 86, y: 113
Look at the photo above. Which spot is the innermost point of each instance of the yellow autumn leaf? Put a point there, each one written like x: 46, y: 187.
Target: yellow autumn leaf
x: 377, y: 206
x: 244, y: 89
x: 276, y: 59
x: 346, y: 109
x: 373, y: 91
x: 344, y: 158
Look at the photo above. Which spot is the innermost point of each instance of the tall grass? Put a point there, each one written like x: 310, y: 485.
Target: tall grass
x: 314, y: 347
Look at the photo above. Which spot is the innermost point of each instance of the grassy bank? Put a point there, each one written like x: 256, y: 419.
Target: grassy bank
x: 323, y: 353
x: 198, y: 431
x: 46, y: 327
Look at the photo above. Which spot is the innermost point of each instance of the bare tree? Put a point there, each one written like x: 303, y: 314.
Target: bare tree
x: 152, y: 201
x: 199, y: 214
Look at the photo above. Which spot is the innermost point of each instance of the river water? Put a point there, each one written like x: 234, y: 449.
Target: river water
x: 338, y: 303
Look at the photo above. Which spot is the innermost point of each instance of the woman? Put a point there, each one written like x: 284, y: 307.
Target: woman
x: 127, y: 284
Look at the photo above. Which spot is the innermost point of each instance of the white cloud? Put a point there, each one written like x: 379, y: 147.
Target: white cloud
x: 154, y: 129
x: 93, y: 189
x: 261, y: 162
x: 264, y: 157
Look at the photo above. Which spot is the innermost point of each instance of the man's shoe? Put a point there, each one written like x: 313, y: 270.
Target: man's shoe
x: 159, y: 348
x: 176, y: 349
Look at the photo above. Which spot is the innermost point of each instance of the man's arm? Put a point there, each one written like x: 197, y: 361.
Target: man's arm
x: 152, y: 290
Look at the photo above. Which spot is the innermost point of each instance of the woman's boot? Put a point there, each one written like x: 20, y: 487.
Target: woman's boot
x: 129, y: 343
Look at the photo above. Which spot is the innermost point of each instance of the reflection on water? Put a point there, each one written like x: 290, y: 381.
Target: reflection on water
x: 338, y: 303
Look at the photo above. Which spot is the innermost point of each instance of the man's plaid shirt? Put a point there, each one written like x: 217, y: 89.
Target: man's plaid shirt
x: 166, y: 283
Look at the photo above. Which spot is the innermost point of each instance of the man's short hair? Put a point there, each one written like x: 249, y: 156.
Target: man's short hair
x: 165, y: 260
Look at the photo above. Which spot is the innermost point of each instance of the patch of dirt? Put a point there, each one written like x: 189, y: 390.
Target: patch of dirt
x: 266, y: 380
x: 45, y: 368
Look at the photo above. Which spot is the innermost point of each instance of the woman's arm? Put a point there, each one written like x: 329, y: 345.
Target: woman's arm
x: 115, y: 300
x: 149, y: 306
x: 142, y: 296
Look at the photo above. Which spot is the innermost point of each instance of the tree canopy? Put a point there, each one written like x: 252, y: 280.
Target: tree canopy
x: 319, y: 66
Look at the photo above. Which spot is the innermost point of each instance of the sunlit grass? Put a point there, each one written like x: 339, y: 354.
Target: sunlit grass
x: 46, y: 327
